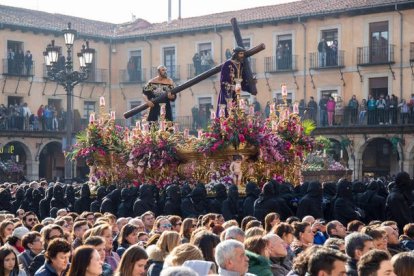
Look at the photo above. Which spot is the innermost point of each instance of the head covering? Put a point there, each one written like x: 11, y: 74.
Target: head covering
x: 199, y: 266
x: 19, y: 232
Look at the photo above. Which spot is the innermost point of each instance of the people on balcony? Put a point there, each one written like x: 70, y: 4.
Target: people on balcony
x: 353, y: 109
x: 28, y: 62
x: 197, y: 64
x: 322, y: 110
x: 322, y: 50
x: 330, y: 109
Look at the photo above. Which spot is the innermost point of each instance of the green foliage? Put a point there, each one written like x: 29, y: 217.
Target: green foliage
x: 308, y: 126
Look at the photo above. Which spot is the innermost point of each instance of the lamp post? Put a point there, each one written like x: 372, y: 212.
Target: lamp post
x: 61, y: 71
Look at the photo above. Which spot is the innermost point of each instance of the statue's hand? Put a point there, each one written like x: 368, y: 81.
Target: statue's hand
x: 150, y: 104
x: 170, y: 96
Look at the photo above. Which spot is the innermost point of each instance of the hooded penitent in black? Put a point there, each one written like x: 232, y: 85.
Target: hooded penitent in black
x: 195, y: 204
x: 252, y: 193
x: 111, y: 201
x: 311, y: 203
x: 83, y: 203
x: 397, y: 206
x: 145, y: 201
x: 125, y: 207
x: 216, y: 203
x: 19, y: 196
x: 372, y: 203
x: 96, y: 204
x: 172, y: 204
x: 58, y: 199
x: 231, y: 208
x: 266, y: 203
x: 44, y: 205
x: 344, y: 207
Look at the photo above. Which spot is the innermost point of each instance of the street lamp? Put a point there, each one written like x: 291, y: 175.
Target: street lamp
x: 64, y: 75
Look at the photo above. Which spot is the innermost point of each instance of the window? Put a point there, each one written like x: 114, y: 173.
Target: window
x: 15, y: 58
x: 204, y: 107
x: 136, y: 117
x: 206, y: 56
x: 279, y: 99
x: 331, y: 39
x: 55, y: 103
x: 88, y: 108
x: 284, y: 52
x: 378, y: 42
x: 11, y: 100
x: 92, y: 72
x: 247, y: 43
x: 134, y: 66
x: 378, y: 87
x: 170, y: 62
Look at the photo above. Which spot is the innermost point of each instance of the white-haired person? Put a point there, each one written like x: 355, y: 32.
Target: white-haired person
x: 231, y: 258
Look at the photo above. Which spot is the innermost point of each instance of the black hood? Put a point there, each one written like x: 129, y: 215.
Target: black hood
x: 146, y: 192
x: 373, y: 186
x: 19, y: 194
x: 28, y: 195
x: 115, y: 195
x: 5, y: 196
x: 185, y: 190
x: 329, y: 189
x: 315, y: 189
x: 199, y: 193
x: 58, y: 192
x: 268, y: 190
x: 344, y: 189
x: 125, y: 194
x: 358, y: 187
x: 100, y: 193
x: 233, y: 193
x: 85, y: 191
x: 37, y: 196
x: 220, y: 190
x: 252, y: 189
x: 173, y: 192
x: 403, y: 181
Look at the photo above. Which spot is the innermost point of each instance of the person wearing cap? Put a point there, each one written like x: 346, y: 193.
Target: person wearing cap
x: 233, y: 78
x: 15, y: 240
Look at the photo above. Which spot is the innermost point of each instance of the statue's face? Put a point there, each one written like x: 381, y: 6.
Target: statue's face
x: 163, y: 72
x: 240, y: 56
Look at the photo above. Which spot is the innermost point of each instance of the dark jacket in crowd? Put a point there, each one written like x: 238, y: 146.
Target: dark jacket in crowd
x: 27, y: 201
x: 397, y: 206
x: 173, y: 200
x: 83, y: 203
x: 344, y: 207
x: 36, y: 198
x: 145, y: 201
x: 372, y: 203
x: 311, y: 203
x: 37, y: 262
x: 96, y: 204
x: 195, y: 204
x: 70, y: 197
x: 252, y: 193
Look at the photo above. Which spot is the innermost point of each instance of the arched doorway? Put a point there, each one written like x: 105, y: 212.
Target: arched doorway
x: 380, y: 158
x: 51, y: 162
x: 14, y: 157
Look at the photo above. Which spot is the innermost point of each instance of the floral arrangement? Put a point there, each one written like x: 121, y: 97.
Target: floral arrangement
x: 235, y: 130
x: 155, y: 148
x: 11, y: 171
x: 98, y: 141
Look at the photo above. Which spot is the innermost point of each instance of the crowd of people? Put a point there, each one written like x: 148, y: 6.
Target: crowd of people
x: 343, y: 228
x: 20, y: 117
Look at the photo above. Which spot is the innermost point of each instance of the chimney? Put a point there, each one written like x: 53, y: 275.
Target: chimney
x: 179, y: 9
x: 169, y: 11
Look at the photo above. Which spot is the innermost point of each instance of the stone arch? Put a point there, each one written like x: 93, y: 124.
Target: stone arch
x: 51, y: 160
x: 18, y: 147
x: 378, y: 157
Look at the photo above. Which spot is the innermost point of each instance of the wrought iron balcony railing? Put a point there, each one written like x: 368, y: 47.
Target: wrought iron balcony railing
x: 375, y: 55
x: 276, y: 64
x: 132, y: 76
x: 13, y: 68
x: 328, y: 59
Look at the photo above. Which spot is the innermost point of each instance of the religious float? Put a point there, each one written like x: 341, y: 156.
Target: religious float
x: 242, y: 146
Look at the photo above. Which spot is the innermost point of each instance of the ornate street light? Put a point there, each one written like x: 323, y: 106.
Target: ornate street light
x: 64, y: 75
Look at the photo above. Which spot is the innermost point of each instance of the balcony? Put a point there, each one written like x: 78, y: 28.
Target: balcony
x: 369, y: 56
x: 131, y: 77
x: 173, y: 72
x: 327, y: 60
x: 280, y: 65
x: 11, y: 68
x: 192, y: 72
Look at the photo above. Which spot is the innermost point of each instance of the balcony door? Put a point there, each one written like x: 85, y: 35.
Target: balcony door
x: 134, y: 66
x: 379, y: 41
x: 170, y: 62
